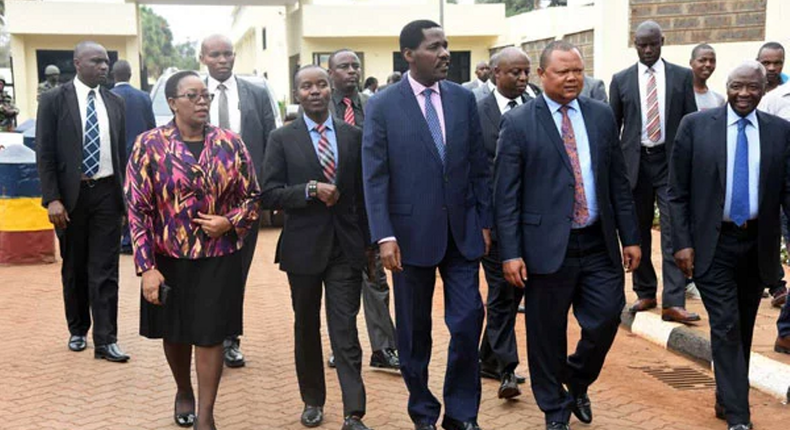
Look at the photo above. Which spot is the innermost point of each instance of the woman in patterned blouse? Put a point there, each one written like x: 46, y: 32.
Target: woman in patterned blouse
x: 192, y: 196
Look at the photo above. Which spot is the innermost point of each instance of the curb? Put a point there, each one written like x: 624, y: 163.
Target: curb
x: 765, y: 374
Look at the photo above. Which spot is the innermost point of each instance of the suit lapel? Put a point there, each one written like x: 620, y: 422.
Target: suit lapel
x: 73, y: 110
x: 448, y: 108
x: 244, y: 105
x: 766, y: 156
x: 719, y: 139
x: 634, y: 87
x: 592, y: 137
x: 113, y: 117
x: 305, y: 143
x: 492, y: 111
x: 669, y: 79
x: 547, y: 122
x: 415, y: 117
x: 342, y: 149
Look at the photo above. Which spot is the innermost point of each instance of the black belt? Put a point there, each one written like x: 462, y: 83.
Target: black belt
x: 592, y: 228
x: 90, y: 183
x: 650, y: 150
x: 749, y: 226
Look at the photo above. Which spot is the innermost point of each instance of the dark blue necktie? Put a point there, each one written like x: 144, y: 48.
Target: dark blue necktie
x: 91, y: 148
x: 739, y: 207
x: 433, y: 123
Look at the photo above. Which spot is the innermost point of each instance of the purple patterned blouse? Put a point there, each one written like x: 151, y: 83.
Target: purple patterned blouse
x: 166, y: 188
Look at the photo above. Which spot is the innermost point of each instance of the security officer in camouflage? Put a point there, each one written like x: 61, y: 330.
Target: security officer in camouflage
x: 8, y: 110
x: 52, y: 74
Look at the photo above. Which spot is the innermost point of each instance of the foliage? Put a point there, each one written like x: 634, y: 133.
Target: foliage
x: 159, y: 53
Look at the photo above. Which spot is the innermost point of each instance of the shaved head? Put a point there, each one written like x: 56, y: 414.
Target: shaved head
x: 216, y: 53
x: 86, y: 46
x: 214, y: 38
x: 648, y: 28
x: 122, y: 71
x: 509, y: 54
x: 91, y: 62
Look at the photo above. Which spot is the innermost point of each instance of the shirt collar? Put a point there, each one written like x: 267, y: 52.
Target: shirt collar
x: 312, y: 124
x: 554, y: 106
x: 229, y: 83
x: 733, y: 117
x: 338, y: 98
x: 119, y: 84
x: 82, y: 89
x: 418, y: 88
x: 658, y: 67
x: 490, y: 85
x: 503, y: 101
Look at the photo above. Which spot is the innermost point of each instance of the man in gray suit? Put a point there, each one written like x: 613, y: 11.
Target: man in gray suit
x: 347, y: 104
x: 245, y: 109
x: 483, y: 72
x: 484, y: 91
x: 594, y: 89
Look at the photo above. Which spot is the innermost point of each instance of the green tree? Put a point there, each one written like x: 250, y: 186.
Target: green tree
x: 159, y: 53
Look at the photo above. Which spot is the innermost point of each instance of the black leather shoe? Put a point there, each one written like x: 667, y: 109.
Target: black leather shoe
x: 557, y: 426
x: 331, y: 362
x: 385, y: 359
x: 494, y: 374
x: 509, y: 386
x: 740, y: 427
x: 354, y: 423
x: 582, y: 408
x: 78, y: 343
x: 453, y: 424
x: 719, y: 409
x: 184, y: 419
x: 110, y: 352
x: 312, y: 416
x: 424, y: 426
x: 233, y: 356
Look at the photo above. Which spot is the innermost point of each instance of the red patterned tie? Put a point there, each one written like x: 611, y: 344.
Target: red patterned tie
x: 348, y: 116
x: 653, y: 118
x: 325, y: 154
x: 581, y: 213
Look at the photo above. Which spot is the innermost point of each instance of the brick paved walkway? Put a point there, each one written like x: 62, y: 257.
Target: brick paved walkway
x: 45, y: 386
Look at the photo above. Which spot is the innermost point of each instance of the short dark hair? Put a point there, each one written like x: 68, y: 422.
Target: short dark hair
x: 700, y: 47
x: 370, y: 81
x: 412, y: 34
x: 307, y: 67
x: 332, y: 56
x: 122, y: 70
x: 771, y: 45
x: 557, y: 45
x: 171, y: 86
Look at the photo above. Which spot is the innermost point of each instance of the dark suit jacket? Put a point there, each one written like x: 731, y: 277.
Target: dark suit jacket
x: 306, y: 242
x: 534, y: 185
x: 338, y: 109
x: 697, y: 187
x: 627, y: 107
x: 409, y: 193
x: 59, y: 144
x: 139, y: 113
x: 594, y: 89
x: 490, y: 116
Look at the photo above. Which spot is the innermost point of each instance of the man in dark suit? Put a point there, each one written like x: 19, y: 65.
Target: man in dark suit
x: 594, y: 89
x: 648, y: 100
x: 498, y: 350
x: 729, y: 177
x: 139, y: 118
x: 562, y: 197
x: 482, y: 73
x: 348, y: 105
x: 428, y: 195
x: 80, y: 139
x: 245, y: 109
x: 313, y: 171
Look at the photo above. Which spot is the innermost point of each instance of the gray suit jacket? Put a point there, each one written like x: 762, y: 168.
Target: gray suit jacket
x: 471, y: 85
x: 594, y: 89
x: 481, y: 92
x: 257, y: 121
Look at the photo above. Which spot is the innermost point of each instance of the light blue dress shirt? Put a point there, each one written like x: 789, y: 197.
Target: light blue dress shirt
x: 582, y: 148
x: 330, y: 136
x: 753, y: 136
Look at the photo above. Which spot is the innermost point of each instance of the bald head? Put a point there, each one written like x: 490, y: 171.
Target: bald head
x: 122, y: 71
x: 509, y: 54
x: 92, y: 63
x: 86, y: 46
x: 747, y: 68
x: 511, y: 72
x: 483, y: 71
x: 216, y: 53
x: 648, y: 40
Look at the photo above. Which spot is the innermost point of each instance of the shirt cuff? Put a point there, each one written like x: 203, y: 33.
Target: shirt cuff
x: 510, y: 259
x: 388, y: 239
x: 307, y: 192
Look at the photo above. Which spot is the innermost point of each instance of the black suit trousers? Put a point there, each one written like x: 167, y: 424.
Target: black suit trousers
x: 731, y: 290
x: 247, y: 254
x: 90, y: 247
x: 498, y: 349
x: 589, y: 281
x: 343, y: 289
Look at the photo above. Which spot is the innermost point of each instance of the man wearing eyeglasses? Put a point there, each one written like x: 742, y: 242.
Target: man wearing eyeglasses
x: 245, y: 109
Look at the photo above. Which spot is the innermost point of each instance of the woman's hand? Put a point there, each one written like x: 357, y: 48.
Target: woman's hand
x: 152, y: 279
x: 214, y: 225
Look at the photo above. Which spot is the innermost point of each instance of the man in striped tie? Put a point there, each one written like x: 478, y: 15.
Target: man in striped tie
x: 649, y: 99
x: 348, y: 105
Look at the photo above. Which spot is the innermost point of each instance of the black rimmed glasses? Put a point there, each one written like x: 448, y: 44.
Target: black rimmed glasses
x: 195, y: 97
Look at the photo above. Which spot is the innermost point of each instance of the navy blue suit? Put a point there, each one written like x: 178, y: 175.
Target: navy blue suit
x: 436, y: 211
x: 533, y: 201
x: 139, y: 113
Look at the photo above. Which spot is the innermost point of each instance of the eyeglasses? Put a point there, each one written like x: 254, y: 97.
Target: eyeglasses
x: 195, y: 97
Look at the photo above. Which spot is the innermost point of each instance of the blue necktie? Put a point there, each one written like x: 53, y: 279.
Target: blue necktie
x: 433, y: 123
x: 739, y: 207
x: 91, y: 148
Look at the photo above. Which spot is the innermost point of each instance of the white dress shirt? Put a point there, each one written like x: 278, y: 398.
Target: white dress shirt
x: 105, y: 142
x: 777, y: 102
x: 503, y: 101
x: 582, y: 149
x: 753, y: 136
x: 234, y: 105
x: 661, y: 86
x: 530, y: 92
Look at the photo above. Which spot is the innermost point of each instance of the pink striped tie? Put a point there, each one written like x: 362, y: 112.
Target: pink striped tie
x: 348, y: 116
x: 653, y: 118
x: 325, y: 155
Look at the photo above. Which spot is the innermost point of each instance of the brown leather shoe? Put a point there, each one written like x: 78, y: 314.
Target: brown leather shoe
x: 678, y: 314
x: 643, y: 305
x: 779, y: 299
x: 782, y: 345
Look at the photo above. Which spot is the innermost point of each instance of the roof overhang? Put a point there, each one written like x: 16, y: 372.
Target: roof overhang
x: 219, y: 2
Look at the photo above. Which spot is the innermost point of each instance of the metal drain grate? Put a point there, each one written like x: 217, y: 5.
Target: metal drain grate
x: 681, y: 378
